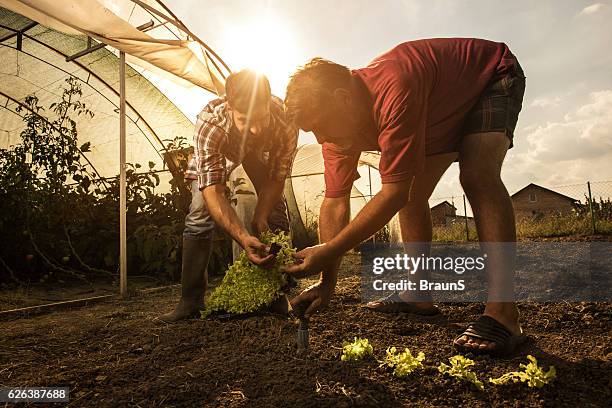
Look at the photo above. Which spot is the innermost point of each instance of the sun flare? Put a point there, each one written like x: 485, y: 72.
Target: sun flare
x: 265, y: 45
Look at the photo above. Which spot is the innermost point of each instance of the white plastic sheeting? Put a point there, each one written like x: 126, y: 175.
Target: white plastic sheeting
x: 95, y: 18
x: 309, y: 185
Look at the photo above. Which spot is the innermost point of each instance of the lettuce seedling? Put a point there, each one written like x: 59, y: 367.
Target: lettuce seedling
x: 247, y: 287
x: 459, y: 368
x: 532, y: 374
x: 357, y: 350
x: 403, y: 363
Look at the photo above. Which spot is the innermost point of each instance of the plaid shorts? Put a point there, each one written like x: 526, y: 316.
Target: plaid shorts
x: 499, y: 105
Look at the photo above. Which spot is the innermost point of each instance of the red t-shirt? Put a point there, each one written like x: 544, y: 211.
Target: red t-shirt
x: 420, y: 93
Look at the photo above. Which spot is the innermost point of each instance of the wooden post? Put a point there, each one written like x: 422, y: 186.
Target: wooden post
x: 122, y: 183
x: 467, y: 228
x: 591, y: 209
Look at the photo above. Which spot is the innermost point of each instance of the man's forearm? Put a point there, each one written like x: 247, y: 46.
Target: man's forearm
x: 267, y: 198
x: 376, y: 213
x: 333, y: 218
x: 223, y: 213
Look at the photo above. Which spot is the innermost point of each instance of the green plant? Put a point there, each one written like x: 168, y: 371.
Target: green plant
x: 311, y: 226
x: 403, y: 363
x: 460, y: 368
x: 247, y: 287
x: 383, y: 234
x: 532, y: 374
x: 357, y: 350
x: 58, y: 217
x: 45, y: 186
x: 157, y: 246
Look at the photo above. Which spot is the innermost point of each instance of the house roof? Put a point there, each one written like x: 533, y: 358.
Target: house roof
x: 443, y: 202
x: 533, y: 185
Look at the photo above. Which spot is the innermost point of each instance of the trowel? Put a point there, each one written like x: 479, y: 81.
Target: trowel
x: 302, y: 337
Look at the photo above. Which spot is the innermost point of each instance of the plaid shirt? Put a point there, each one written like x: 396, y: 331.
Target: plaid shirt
x: 219, y: 147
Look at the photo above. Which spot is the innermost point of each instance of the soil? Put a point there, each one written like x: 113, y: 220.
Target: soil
x: 39, y: 293
x: 117, y: 354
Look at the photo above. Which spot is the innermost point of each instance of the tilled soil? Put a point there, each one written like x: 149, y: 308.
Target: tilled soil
x: 117, y: 355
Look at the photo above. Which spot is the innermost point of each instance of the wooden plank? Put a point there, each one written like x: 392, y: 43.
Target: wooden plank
x: 29, y: 311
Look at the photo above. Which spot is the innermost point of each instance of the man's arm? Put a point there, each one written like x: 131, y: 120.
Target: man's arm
x: 267, y: 198
x: 376, y: 213
x: 224, y: 215
x: 334, y: 216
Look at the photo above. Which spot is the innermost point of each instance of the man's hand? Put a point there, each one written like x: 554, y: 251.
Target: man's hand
x: 316, y: 297
x: 256, y: 251
x: 259, y: 225
x: 311, y: 261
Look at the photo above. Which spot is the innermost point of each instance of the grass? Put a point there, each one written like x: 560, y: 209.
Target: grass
x: 561, y: 227
x: 454, y: 232
x: 15, y: 298
x: 531, y: 228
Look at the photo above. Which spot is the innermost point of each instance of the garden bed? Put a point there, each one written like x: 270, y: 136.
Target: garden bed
x: 117, y: 354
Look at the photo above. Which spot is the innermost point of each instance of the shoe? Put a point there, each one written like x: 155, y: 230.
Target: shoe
x: 194, y: 280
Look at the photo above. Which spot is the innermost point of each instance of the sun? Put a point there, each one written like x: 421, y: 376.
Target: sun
x: 264, y: 44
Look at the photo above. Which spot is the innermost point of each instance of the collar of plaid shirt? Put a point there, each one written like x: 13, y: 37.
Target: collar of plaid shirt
x: 215, y: 129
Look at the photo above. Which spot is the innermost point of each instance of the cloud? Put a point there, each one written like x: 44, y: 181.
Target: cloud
x: 575, y: 148
x: 546, y: 102
x: 592, y: 9
x: 584, y: 133
x: 571, y: 149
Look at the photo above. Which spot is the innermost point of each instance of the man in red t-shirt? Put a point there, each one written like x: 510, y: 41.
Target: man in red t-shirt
x: 423, y: 105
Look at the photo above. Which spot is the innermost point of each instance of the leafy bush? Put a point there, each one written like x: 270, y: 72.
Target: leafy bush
x: 403, y: 363
x: 460, y: 368
x: 357, y: 350
x: 59, y: 218
x: 247, y: 287
x: 532, y: 374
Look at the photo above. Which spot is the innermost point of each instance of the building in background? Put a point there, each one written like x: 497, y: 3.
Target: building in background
x: 534, y: 201
x: 440, y: 212
x: 445, y: 214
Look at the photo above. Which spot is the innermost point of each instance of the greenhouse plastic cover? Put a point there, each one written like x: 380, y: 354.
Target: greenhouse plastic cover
x: 36, y: 64
x: 97, y: 19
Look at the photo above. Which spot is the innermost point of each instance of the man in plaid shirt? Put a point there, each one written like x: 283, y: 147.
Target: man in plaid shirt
x: 247, y: 127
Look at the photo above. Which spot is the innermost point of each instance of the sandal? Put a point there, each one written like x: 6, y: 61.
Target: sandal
x: 487, y: 328
x: 394, y: 304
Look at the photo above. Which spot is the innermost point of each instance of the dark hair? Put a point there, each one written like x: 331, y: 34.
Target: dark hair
x: 247, y: 87
x: 312, y: 85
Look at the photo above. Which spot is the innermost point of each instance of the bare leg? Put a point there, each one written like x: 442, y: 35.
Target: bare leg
x: 415, y: 221
x: 480, y: 161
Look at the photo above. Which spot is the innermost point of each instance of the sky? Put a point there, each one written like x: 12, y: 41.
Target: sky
x: 564, y: 134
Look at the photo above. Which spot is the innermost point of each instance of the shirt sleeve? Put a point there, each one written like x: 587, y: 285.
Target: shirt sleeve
x: 340, y: 171
x: 210, y: 162
x: 402, y: 135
